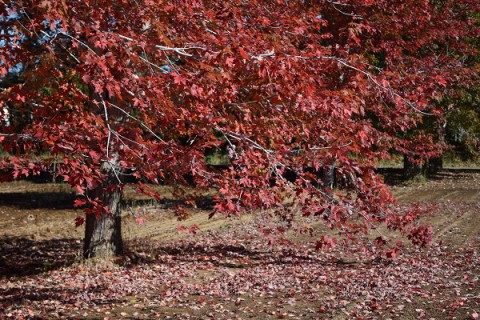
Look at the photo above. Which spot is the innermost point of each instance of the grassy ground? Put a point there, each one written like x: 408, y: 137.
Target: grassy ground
x: 229, y: 270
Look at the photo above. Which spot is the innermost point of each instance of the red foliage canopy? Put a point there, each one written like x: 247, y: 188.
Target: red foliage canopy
x: 282, y: 86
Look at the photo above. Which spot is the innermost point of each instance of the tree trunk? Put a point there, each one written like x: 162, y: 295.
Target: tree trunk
x: 103, y: 233
x: 412, y: 170
x: 435, y: 165
x: 327, y: 176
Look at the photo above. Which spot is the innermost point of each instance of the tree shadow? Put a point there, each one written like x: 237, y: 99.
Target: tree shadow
x: 65, y: 200
x: 143, y: 252
x: 204, y: 203
x: 392, y: 176
x: 396, y: 176
x: 33, y: 200
x: 23, y: 257
x: 229, y: 256
x: 21, y: 295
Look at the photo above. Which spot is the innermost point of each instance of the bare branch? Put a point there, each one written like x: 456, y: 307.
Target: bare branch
x: 18, y: 136
x: 179, y: 50
x: 256, y: 145
x: 335, y: 3
x: 139, y: 121
x: 331, y: 147
x: 262, y: 56
x: 79, y: 41
x: 370, y: 77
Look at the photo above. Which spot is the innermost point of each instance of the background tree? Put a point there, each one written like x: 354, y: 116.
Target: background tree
x: 463, y: 123
x: 147, y: 88
x: 462, y: 126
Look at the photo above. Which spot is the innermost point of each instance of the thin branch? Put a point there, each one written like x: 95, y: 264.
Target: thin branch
x: 31, y: 22
x: 146, y: 60
x: 255, y: 144
x: 262, y: 56
x: 108, y: 127
x: 110, y: 130
x: 79, y: 41
x: 179, y: 50
x: 335, y: 3
x: 122, y: 137
x: 18, y: 136
x: 232, y: 147
x: 71, y: 54
x: 370, y: 78
x: 331, y: 147
x: 150, y: 64
x: 139, y: 121
x: 171, y: 63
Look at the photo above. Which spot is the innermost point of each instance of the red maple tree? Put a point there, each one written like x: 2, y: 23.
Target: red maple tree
x: 147, y: 88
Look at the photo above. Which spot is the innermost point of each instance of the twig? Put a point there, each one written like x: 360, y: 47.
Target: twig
x: 331, y: 147
x: 334, y: 4
x: 255, y: 144
x: 139, y: 121
x: 370, y: 78
x: 179, y: 50
x: 108, y: 127
x: 79, y: 41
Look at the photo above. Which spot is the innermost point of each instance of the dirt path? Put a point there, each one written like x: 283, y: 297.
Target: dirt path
x: 445, y: 186
x: 456, y: 197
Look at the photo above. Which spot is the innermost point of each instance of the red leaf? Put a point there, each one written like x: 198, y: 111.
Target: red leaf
x: 243, y: 53
x: 79, y: 203
x: 392, y: 254
x: 79, y: 221
x: 229, y: 62
x: 178, y: 79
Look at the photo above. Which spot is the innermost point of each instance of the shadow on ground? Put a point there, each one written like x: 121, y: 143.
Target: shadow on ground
x: 23, y: 257
x: 396, y: 176
x: 227, y: 256
x: 31, y: 200
x: 65, y: 200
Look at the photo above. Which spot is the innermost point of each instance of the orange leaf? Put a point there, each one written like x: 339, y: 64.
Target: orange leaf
x: 243, y: 53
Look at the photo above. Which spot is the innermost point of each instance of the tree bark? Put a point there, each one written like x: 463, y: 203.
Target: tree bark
x: 435, y: 165
x: 412, y: 170
x: 327, y: 176
x: 103, y: 233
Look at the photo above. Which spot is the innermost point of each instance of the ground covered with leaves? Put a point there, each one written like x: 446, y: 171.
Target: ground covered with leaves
x: 229, y: 270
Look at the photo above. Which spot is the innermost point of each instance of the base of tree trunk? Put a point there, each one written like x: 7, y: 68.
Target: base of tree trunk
x: 413, y: 170
x: 102, y: 238
x: 435, y: 165
x: 103, y: 234
x: 328, y: 177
